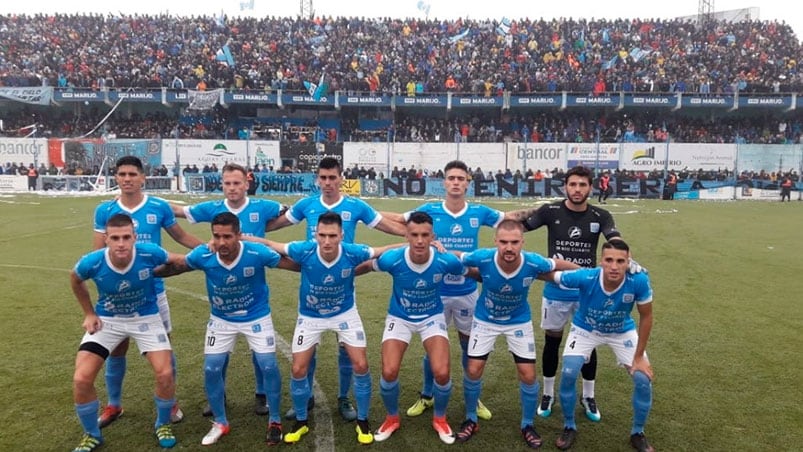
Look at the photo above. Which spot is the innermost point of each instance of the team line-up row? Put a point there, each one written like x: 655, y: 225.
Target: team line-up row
x: 432, y: 288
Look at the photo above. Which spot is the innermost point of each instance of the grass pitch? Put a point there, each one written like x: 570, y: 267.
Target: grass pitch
x: 728, y: 324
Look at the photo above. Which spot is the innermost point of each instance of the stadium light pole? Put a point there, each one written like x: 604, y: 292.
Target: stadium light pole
x: 596, y: 160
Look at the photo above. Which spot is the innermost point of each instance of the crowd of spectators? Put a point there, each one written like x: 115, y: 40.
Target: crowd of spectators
x: 399, y: 55
x: 409, y: 56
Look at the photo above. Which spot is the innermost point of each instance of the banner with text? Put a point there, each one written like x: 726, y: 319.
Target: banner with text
x: 535, y: 156
x: 220, y: 152
x: 653, y: 156
x: 24, y: 150
x: 40, y: 95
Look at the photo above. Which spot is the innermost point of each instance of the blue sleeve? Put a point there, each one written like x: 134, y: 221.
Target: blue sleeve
x: 270, y: 258
x: 84, y: 268
x: 201, y: 213
x: 492, y: 217
x: 453, y: 264
x: 297, y: 250
x: 296, y: 211
x: 101, y: 217
x: 385, y: 261
x: 159, y: 255
x: 368, y: 215
x: 168, y: 217
x: 470, y: 259
x: 643, y: 287
x: 194, y: 257
x: 357, y: 253
x: 572, y: 279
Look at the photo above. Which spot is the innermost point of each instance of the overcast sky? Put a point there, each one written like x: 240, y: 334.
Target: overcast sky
x: 790, y: 11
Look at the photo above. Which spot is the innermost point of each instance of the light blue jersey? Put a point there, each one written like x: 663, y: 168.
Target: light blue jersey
x: 123, y: 292
x: 327, y: 288
x: 254, y: 215
x: 602, y: 311
x: 351, y: 211
x: 416, y: 288
x: 150, y: 217
x: 238, y: 292
x: 459, y: 232
x: 503, y: 299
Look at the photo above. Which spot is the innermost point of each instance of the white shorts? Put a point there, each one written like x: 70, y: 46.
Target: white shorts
x: 460, y: 310
x: 221, y: 335
x: 347, y: 325
x: 520, y: 339
x: 555, y: 314
x: 164, y: 311
x: 583, y: 342
x: 402, y: 330
x: 147, y: 331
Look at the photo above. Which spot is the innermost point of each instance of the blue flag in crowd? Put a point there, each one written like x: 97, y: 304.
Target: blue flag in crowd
x: 423, y: 6
x: 224, y: 56
x: 459, y: 36
x: 247, y: 5
x: 504, y: 27
x: 316, y: 91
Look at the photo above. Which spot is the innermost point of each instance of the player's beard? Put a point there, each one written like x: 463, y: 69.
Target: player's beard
x: 581, y: 202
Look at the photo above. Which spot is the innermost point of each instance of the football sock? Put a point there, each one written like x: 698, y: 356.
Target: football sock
x: 115, y: 371
x: 642, y: 401
x: 471, y: 392
x: 529, y: 399
x: 389, y: 390
x: 88, y: 416
x: 345, y: 371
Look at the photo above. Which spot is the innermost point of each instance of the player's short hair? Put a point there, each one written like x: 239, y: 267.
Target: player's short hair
x: 130, y: 160
x: 616, y: 245
x: 330, y: 163
x: 580, y: 171
x: 456, y: 164
x: 119, y: 220
x: 231, y: 167
x: 330, y: 217
x: 419, y: 218
x: 227, y: 219
x: 510, y: 225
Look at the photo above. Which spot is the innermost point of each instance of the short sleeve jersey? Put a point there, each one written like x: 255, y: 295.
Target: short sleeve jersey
x: 572, y: 236
x: 503, y: 299
x: 254, y: 215
x: 416, y: 287
x: 126, y: 291
x: 150, y: 217
x: 459, y: 232
x: 351, y: 211
x: 237, y: 292
x: 327, y: 288
x: 606, y: 312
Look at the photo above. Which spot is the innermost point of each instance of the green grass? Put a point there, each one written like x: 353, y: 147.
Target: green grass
x: 728, y: 322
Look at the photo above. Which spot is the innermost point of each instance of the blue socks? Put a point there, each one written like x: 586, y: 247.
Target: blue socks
x: 313, y: 363
x: 346, y: 371
x: 442, y: 393
x: 115, y: 371
x: 88, y: 416
x: 362, y: 394
x: 389, y: 390
x: 429, y: 377
x: 568, y: 388
x: 529, y: 400
x: 300, y: 393
x: 258, y: 377
x: 272, y: 384
x: 214, y: 364
x: 642, y: 401
x: 471, y: 392
x: 163, y: 408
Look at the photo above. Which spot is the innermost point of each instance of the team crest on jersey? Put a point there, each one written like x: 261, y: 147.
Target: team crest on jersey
x: 150, y: 218
x: 253, y: 217
x: 437, y: 277
x: 328, y: 279
x: 526, y: 282
x: 505, y: 288
x: 248, y: 272
x: 594, y: 227
x: 346, y: 216
x: 628, y: 298
x: 474, y: 222
x: 574, y: 232
x: 345, y: 273
x: 231, y: 279
x: 144, y: 274
x: 123, y: 285
x: 421, y: 284
x: 456, y: 229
